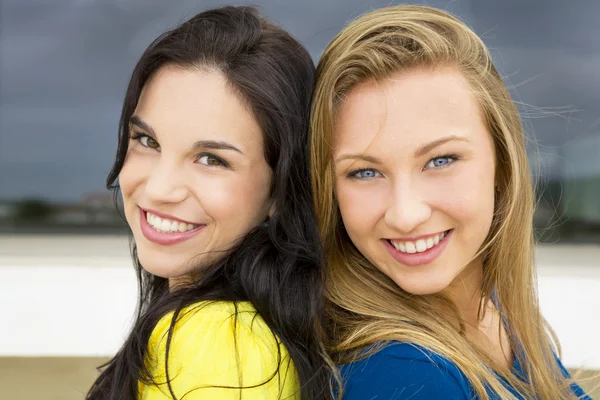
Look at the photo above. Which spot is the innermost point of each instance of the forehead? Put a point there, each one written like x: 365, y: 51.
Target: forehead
x: 196, y: 104
x: 410, y: 108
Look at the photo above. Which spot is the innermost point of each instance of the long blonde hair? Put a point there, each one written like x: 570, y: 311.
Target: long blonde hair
x: 373, y: 47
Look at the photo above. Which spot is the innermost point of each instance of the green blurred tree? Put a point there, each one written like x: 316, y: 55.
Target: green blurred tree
x: 33, y: 209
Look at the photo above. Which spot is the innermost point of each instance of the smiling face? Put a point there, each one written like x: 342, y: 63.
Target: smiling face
x: 415, y: 165
x: 195, y: 179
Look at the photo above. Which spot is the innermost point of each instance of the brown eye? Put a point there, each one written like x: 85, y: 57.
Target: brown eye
x: 147, y: 141
x: 211, y: 161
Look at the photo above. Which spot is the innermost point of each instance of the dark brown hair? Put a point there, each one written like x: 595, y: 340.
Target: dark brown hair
x: 277, y: 266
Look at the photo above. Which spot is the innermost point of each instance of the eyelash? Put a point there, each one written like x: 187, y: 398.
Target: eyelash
x: 451, y: 157
x: 136, y: 136
x: 353, y: 174
x: 222, y: 162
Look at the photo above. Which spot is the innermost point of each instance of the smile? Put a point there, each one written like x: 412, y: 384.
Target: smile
x: 418, y: 252
x: 166, y: 231
x: 418, y: 246
x: 167, y: 225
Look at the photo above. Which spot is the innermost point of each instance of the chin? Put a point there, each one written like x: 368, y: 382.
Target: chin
x: 160, y: 265
x: 422, y: 286
x: 157, y: 270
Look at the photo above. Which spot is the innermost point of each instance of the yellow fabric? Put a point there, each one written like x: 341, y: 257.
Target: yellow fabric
x: 212, y: 346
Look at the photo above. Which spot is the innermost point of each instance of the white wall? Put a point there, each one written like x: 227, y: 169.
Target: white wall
x: 70, y: 305
x: 571, y: 304
x: 51, y: 310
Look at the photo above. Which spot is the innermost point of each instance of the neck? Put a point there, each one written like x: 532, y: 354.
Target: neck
x: 465, y: 291
x: 487, y: 333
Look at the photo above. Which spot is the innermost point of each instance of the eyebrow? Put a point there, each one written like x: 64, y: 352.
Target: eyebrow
x: 200, y: 144
x: 135, y: 120
x: 358, y: 156
x: 215, y: 145
x: 421, y: 151
x: 426, y: 148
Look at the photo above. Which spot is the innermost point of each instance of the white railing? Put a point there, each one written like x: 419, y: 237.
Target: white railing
x: 75, y: 296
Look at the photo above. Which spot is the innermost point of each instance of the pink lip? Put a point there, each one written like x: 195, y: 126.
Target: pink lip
x: 414, y: 238
x: 416, y: 259
x: 164, y: 238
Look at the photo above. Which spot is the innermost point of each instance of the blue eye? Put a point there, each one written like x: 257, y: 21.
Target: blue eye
x: 366, y: 173
x: 441, y: 161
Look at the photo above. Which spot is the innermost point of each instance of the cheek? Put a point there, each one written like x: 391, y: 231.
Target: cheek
x: 361, y: 206
x: 131, y: 178
x: 132, y: 174
x: 235, y: 197
x: 467, y: 197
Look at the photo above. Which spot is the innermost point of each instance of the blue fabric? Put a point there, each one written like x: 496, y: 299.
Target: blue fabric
x: 402, y: 371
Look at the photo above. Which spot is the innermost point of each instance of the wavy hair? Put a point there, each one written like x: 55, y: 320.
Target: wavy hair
x: 373, y: 47
x: 278, y: 266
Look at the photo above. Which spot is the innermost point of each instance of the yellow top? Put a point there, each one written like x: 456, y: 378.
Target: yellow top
x: 211, y: 347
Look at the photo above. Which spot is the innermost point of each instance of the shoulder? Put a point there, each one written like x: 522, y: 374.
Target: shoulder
x: 214, y: 329
x: 219, y: 344
x: 575, y: 388
x: 401, y: 371
x: 213, y: 318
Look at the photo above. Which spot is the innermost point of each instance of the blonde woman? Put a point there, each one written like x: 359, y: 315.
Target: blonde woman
x: 425, y: 203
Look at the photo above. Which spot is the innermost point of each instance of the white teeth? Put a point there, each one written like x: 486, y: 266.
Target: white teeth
x: 167, y: 225
x: 182, y: 227
x: 418, y: 246
x: 429, y: 243
x: 156, y: 222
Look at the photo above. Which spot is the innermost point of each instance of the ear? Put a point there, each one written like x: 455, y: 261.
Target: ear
x: 271, y: 209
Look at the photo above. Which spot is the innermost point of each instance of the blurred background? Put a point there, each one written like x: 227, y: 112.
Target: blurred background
x: 67, y: 288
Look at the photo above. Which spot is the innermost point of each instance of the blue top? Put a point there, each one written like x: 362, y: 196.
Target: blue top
x: 406, y: 371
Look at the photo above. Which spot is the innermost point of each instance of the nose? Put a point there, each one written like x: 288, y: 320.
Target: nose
x: 165, y: 184
x: 407, y: 208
